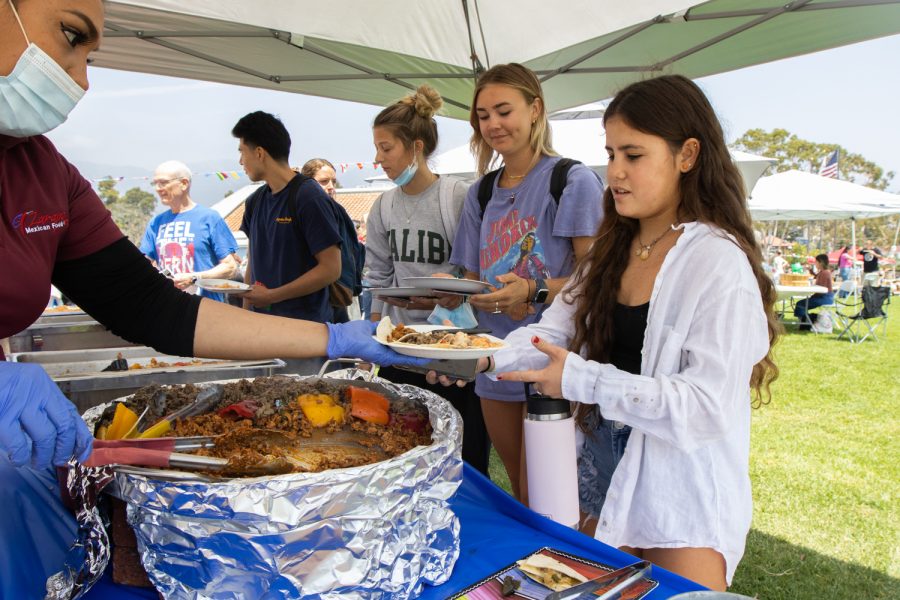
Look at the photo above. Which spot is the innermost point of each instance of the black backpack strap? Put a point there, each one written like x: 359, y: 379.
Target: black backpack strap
x: 559, y: 176
x: 558, y: 180
x: 294, y: 208
x: 250, y: 203
x: 485, y: 188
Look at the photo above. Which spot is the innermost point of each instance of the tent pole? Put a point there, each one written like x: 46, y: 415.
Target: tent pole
x: 894, y: 245
x: 853, y: 246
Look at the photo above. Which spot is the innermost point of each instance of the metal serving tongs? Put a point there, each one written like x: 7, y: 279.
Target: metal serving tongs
x: 296, y: 452
x: 206, y: 399
x: 619, y: 580
x: 156, y: 452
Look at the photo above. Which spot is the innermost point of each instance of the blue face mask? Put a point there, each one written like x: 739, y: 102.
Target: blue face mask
x: 407, y: 174
x: 39, y: 93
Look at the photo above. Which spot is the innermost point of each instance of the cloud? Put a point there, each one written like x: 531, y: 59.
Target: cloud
x: 155, y: 90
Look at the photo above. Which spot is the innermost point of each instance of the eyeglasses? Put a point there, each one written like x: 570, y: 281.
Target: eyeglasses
x: 162, y: 182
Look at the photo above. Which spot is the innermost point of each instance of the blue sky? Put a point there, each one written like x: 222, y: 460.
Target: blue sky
x: 128, y: 122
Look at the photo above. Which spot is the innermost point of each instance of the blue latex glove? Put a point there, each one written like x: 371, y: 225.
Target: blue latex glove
x: 354, y: 340
x: 37, y: 423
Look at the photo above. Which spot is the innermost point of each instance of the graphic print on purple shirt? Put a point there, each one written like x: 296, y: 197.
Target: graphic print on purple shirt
x: 513, y: 247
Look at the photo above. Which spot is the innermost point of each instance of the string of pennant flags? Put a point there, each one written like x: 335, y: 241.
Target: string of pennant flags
x: 223, y: 175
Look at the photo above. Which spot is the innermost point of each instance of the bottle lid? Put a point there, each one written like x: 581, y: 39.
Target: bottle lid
x: 545, y: 406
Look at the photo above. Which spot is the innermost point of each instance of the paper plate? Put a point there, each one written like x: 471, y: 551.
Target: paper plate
x: 401, y: 292
x: 441, y: 353
x: 222, y: 286
x: 447, y: 284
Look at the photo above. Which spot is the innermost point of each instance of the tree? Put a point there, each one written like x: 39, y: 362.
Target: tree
x: 107, y: 191
x: 130, y: 212
x: 792, y: 152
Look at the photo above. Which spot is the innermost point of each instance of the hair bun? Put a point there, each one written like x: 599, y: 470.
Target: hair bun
x: 426, y: 100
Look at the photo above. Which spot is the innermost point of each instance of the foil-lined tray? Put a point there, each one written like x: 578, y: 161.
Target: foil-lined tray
x: 376, y: 531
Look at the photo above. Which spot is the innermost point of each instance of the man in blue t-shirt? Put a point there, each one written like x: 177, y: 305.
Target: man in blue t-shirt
x: 190, y: 241
x: 294, y: 252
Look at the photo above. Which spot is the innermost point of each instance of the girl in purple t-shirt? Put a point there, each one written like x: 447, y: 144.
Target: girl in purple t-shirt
x: 524, y: 244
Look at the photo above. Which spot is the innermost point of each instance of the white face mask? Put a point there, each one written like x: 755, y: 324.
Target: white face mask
x: 38, y: 95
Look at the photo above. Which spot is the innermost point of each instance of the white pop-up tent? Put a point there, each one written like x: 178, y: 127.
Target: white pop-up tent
x: 799, y: 196
x: 374, y: 52
x: 578, y: 133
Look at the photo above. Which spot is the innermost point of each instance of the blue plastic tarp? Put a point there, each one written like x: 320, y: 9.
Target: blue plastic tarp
x: 495, y: 532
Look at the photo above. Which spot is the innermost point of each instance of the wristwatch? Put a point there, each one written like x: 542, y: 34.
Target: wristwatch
x: 541, y: 291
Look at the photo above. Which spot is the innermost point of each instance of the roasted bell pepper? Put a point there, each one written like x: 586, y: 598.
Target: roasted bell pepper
x: 123, y: 420
x: 320, y: 409
x: 158, y: 430
x: 245, y: 409
x: 369, y: 406
x: 411, y: 421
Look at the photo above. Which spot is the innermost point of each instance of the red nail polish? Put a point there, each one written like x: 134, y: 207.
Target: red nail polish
x: 499, y: 377
x: 535, y: 339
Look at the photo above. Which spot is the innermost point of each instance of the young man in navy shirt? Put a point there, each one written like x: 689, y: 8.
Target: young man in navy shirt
x: 294, y: 252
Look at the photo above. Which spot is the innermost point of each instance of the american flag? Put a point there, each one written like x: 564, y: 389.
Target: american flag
x: 829, y: 166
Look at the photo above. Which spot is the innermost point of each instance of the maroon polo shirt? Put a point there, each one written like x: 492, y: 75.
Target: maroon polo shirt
x: 49, y: 213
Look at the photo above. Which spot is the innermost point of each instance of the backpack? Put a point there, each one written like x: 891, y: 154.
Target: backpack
x: 445, y: 194
x: 558, y: 180
x: 353, y: 255
x: 352, y: 252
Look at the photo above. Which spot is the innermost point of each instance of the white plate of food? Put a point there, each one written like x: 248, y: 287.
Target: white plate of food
x: 448, y: 284
x: 435, y: 341
x: 222, y: 286
x: 401, y: 292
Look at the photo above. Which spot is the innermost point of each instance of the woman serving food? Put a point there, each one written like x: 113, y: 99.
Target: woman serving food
x: 44, y: 49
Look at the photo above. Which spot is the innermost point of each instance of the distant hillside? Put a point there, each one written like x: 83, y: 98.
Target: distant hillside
x: 206, y: 189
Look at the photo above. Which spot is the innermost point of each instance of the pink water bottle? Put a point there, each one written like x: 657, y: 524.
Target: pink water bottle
x: 550, y: 458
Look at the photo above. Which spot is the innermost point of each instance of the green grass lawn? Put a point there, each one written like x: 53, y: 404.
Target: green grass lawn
x: 825, y: 466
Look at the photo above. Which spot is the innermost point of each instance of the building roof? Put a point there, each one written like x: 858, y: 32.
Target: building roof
x: 356, y: 201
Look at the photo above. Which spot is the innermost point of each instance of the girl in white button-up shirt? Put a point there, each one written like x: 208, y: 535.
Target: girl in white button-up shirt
x: 677, y: 235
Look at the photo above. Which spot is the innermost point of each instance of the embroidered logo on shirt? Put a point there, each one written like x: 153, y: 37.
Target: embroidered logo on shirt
x: 33, y: 221
x: 284, y: 220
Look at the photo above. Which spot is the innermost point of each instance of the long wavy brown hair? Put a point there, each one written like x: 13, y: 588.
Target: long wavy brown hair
x: 674, y: 108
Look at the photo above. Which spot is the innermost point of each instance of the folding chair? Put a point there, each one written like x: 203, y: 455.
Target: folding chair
x: 873, y: 301
x: 846, y: 289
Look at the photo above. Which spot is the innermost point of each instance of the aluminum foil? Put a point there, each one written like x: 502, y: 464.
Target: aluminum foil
x: 374, y: 532
x: 89, y: 554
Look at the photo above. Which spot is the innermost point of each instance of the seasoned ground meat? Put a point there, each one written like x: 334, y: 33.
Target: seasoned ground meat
x: 262, y: 428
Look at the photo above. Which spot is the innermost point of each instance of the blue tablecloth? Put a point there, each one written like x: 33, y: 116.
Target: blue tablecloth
x: 496, y: 531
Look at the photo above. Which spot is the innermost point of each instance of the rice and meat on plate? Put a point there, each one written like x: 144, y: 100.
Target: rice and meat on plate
x: 439, y: 339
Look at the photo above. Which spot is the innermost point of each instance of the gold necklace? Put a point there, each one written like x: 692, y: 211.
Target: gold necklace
x: 643, y: 251
x: 514, y: 177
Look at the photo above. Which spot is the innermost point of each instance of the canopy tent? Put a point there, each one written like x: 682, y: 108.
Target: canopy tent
x: 582, y: 139
x: 373, y: 52
x: 795, y: 195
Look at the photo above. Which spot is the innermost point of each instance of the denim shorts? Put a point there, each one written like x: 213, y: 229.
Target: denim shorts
x: 604, y: 445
